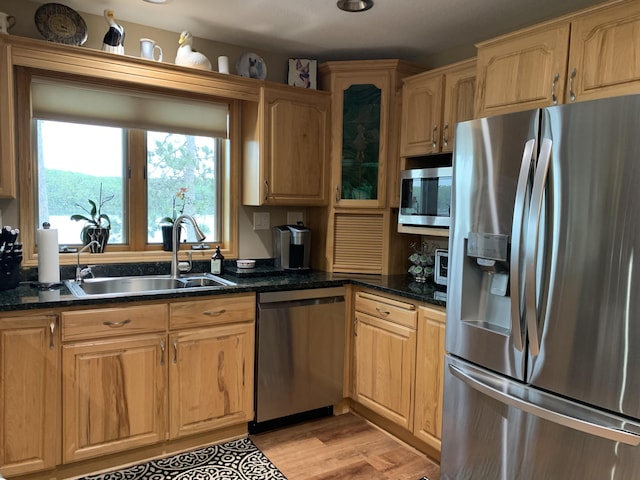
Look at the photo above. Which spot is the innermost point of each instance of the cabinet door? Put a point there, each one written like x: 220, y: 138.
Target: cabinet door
x: 211, y: 378
x: 522, y: 71
x: 29, y: 389
x: 430, y: 376
x: 114, y: 395
x: 7, y: 145
x: 296, y: 148
x: 384, y: 367
x: 421, y: 115
x: 603, y: 58
x: 459, y: 94
x: 360, y: 132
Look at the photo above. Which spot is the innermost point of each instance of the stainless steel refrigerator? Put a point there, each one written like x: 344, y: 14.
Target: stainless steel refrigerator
x: 542, y: 375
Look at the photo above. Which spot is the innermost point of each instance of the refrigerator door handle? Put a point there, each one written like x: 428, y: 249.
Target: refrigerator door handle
x: 517, y: 293
x: 533, y: 229
x: 548, y: 407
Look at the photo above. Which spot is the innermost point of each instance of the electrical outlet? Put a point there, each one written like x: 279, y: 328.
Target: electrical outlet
x: 261, y: 221
x: 294, y: 217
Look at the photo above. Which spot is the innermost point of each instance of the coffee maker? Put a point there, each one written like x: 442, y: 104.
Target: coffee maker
x: 291, y: 247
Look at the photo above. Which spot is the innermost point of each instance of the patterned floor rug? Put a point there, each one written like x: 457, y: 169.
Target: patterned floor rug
x: 235, y: 460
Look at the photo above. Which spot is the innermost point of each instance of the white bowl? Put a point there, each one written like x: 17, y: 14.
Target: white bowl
x: 245, y: 263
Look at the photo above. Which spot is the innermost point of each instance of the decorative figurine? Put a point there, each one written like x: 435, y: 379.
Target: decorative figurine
x: 114, y: 38
x: 187, y: 57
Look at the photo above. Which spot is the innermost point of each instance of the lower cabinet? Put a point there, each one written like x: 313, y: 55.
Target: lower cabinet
x: 427, y: 424
x: 29, y: 389
x: 398, y: 373
x: 385, y: 356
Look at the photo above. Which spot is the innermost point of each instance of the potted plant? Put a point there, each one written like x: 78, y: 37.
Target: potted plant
x: 97, y: 224
x: 178, y: 203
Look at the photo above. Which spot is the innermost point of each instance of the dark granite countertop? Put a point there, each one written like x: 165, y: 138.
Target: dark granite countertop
x: 27, y: 296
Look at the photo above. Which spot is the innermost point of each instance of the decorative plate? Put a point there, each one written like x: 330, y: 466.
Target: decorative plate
x: 61, y: 24
x: 251, y: 65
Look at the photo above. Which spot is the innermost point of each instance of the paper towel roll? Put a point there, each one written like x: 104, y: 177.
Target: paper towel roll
x: 48, y: 261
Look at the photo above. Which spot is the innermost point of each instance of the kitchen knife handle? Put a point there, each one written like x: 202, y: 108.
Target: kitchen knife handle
x: 554, y: 97
x: 517, y: 238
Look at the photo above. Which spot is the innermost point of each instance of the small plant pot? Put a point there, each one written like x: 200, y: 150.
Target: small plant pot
x: 167, y: 240
x: 99, y: 234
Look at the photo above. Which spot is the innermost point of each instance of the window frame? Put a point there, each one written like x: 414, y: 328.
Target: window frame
x: 137, y: 249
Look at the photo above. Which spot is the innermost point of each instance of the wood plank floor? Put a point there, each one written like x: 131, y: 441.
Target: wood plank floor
x: 343, y: 447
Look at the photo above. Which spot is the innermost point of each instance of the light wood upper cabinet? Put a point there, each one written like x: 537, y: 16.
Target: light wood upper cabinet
x: 286, y: 147
x: 29, y: 392
x: 432, y: 103
x: 605, y: 53
x: 430, y: 375
x: 7, y: 138
x: 385, y: 356
x: 523, y: 70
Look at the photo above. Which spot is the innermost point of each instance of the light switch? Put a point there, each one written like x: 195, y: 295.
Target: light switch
x: 261, y: 220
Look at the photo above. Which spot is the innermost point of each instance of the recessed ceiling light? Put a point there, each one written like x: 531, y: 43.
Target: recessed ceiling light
x: 355, y: 5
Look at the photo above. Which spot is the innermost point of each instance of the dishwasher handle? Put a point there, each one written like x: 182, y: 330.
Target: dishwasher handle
x: 300, y: 303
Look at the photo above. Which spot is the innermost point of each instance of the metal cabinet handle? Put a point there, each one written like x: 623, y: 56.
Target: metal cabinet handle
x: 215, y: 313
x: 52, y: 328
x: 116, y: 324
x: 445, y: 135
x: 572, y: 95
x: 554, y: 97
x: 162, y: 349
x: 434, y: 136
x: 337, y: 194
x: 382, y: 312
x: 175, y: 352
x: 266, y: 189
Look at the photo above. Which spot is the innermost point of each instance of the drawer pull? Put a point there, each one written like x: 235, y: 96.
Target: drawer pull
x: 215, y: 313
x: 116, y: 324
x: 175, y: 352
x: 52, y: 328
x: 382, y: 312
x: 162, y: 349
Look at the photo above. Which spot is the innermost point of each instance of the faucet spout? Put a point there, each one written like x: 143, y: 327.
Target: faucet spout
x: 175, y: 271
x: 78, y: 270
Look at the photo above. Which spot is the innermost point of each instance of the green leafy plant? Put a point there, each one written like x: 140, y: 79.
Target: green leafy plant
x: 94, y: 217
x: 178, y: 208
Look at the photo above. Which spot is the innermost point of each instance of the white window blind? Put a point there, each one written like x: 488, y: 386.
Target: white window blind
x: 79, y: 102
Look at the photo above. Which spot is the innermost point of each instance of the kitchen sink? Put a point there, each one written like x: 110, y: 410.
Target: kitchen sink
x: 118, y: 286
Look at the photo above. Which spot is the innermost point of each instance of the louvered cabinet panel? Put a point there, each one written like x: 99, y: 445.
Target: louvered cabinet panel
x: 358, y: 243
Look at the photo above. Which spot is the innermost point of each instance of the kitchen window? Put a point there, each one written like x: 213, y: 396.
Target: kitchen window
x: 157, y: 155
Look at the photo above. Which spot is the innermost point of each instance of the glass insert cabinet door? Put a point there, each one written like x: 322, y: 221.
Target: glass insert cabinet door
x: 363, y: 142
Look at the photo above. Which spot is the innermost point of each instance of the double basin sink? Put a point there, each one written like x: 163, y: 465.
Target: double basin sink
x: 150, y: 284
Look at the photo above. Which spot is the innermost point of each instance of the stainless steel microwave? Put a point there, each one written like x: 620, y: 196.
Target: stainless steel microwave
x: 425, y: 197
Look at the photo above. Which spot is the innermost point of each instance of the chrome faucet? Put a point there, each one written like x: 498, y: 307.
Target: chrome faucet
x: 175, y: 270
x: 81, y: 273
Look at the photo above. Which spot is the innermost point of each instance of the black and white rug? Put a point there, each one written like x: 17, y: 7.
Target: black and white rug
x: 235, y: 460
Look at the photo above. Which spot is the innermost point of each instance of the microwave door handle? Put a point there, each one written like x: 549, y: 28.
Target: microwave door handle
x: 531, y: 287
x: 519, y: 211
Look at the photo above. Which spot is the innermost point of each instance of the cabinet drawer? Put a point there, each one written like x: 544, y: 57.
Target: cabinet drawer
x: 213, y: 311
x: 111, y: 322
x: 380, y: 307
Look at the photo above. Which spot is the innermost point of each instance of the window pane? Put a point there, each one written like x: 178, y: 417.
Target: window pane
x: 183, y: 176
x: 74, y: 162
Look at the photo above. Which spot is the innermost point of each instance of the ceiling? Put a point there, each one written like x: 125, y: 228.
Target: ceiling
x: 405, y: 29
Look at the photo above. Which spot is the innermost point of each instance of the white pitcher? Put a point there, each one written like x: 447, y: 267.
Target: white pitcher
x: 6, y: 22
x: 148, y: 49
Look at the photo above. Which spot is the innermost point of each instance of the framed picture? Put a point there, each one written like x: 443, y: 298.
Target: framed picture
x: 303, y: 72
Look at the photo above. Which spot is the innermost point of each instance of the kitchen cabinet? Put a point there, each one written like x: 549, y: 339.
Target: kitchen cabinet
x: 114, y: 395
x: 432, y: 103
x: 7, y: 112
x: 286, y: 147
x: 29, y: 392
x: 364, y: 128
x: 211, y: 368
x: 587, y: 55
x: 385, y: 357
x: 427, y: 424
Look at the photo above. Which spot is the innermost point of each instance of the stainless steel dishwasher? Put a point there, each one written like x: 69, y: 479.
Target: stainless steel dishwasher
x: 300, y: 353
